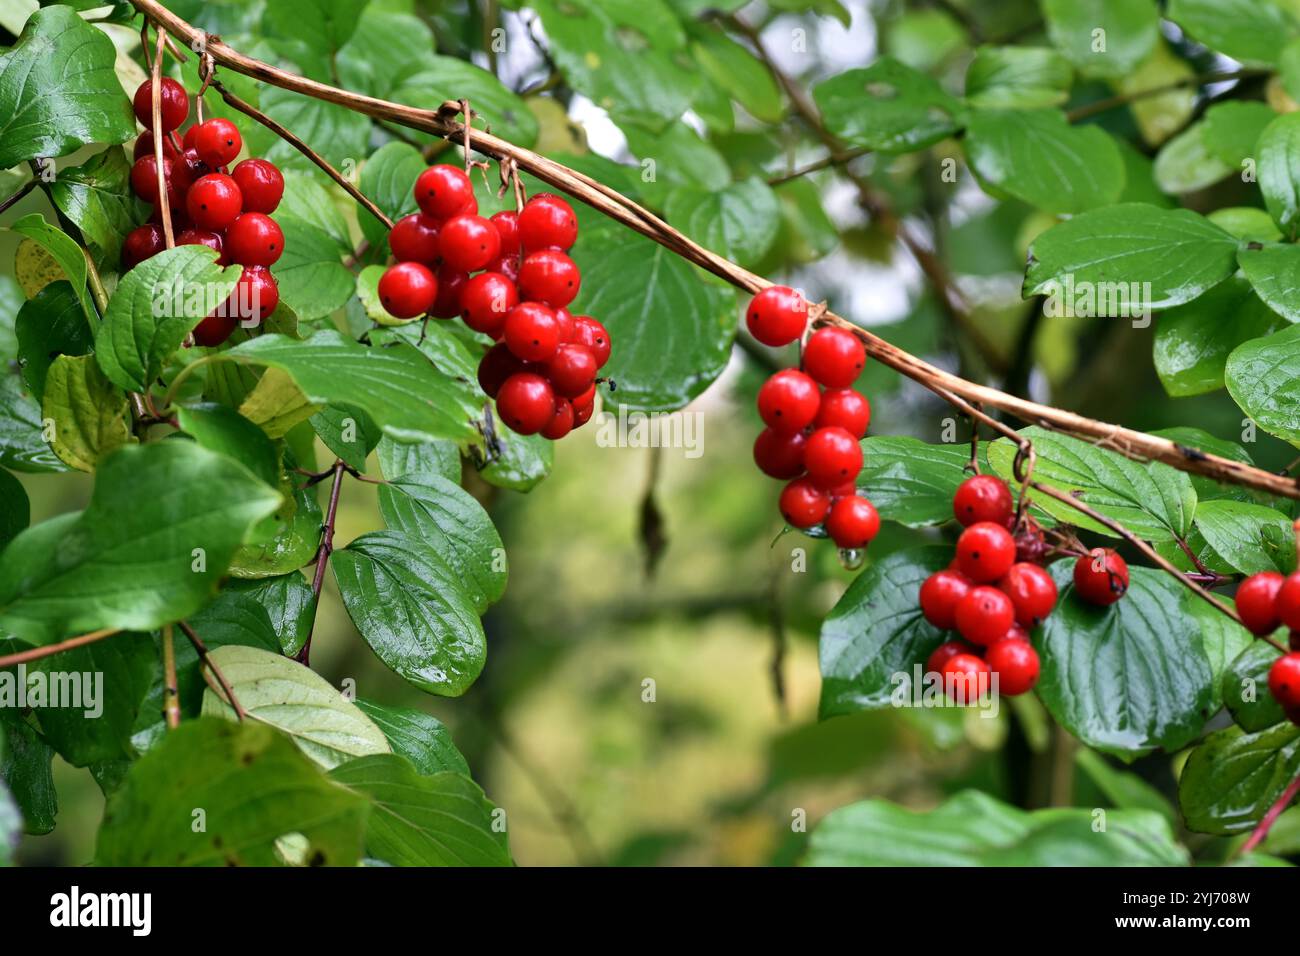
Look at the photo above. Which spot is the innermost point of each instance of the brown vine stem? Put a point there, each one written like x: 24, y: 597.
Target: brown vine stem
x: 36, y: 653
x: 171, y: 692
x: 610, y: 202
x: 213, y: 667
x: 164, y: 204
x: 1261, y: 830
x: 1123, y: 99
x: 323, y: 554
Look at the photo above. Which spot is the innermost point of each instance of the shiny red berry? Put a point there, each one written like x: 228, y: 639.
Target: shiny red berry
x: 144, y: 178
x: 451, y: 283
x: 526, y: 403
x: 497, y: 365
x: 965, y: 678
x: 407, y: 289
x: 144, y: 147
x: 505, y: 264
x: 214, y: 329
x: 846, y: 409
x: 777, y: 315
x: 414, y: 238
x: 549, y: 276
x: 803, y: 504
x: 1284, y: 681
x: 547, y: 222
x: 788, y: 401
x: 262, y: 184
x: 779, y: 454
x: 832, y: 456
x: 468, y: 243
x: 1101, y: 576
x: 572, y: 370
x: 1288, y: 601
x: 255, y: 296
x: 985, y: 615
x: 486, y: 300
x: 507, y: 224
x: 985, y: 552
x: 561, y: 422
x: 254, y: 239
x: 590, y: 333
x: 1016, y: 664
x: 834, y: 357
x: 1257, y: 602
x: 853, y: 522
x: 944, y: 653
x: 565, y: 318
x: 1032, y: 592
x: 582, y: 412
x: 175, y: 104
x: 217, y: 141
x: 143, y: 242
x: 532, y: 332
x: 983, y: 498
x: 443, y: 191
x: 215, y: 202
x: 940, y: 594
x: 203, y: 237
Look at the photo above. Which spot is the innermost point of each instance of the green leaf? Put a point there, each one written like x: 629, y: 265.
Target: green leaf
x: 221, y: 429
x: 58, y: 89
x: 449, y: 519
x: 1222, y: 640
x: 876, y: 631
x: 154, y: 307
x: 402, y: 458
x: 1009, y: 77
x: 25, y: 767
x: 15, y: 509
x: 1114, y: 677
x: 675, y: 156
x: 672, y: 330
x: 348, y: 432
x: 312, y: 31
x: 313, y: 282
x: 1250, y: 537
x: 419, y: 737
x: 1193, y: 341
x: 1178, y: 252
x: 385, y: 46
x: 888, y: 107
x: 413, y: 610
x: 334, y: 132
x: 50, y: 324
x: 11, y: 824
x: 1245, y: 688
x: 398, y: 387
x: 1129, y: 28
x: 90, y: 416
x: 22, y: 442
x: 96, y: 197
x: 1253, y: 372
x: 131, y: 560
x: 1152, y: 500
x: 63, y: 249
x: 1186, y: 165
x: 807, y: 233
x: 1037, y: 156
x: 1200, y: 440
x: 287, y: 540
x: 739, y: 221
x: 1246, y: 222
x: 388, y: 180
x: 1124, y: 790
x: 253, y: 786
x: 296, y: 701
x: 523, y: 462
x: 1252, y: 31
x: 1231, y: 129
x: 1230, y: 780
x: 912, y: 482
x: 1279, y: 151
x: 438, y: 820
x: 274, y: 403
x: 738, y: 72
x: 289, y: 604
x: 444, y: 78
x: 1274, y: 273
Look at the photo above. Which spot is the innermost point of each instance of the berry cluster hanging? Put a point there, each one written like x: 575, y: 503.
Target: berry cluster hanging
x: 542, y: 369
x: 1267, y: 601
x: 213, y: 205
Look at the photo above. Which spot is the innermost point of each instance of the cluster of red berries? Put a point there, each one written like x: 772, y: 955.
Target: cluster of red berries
x: 1267, y: 601
x: 542, y: 369
x: 814, y: 421
x: 211, y: 205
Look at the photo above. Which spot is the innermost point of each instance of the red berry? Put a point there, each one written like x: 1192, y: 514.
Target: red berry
x: 407, y: 289
x: 1016, y: 664
x: 565, y: 318
x: 187, y: 141
x: 451, y: 283
x: 590, y: 333
x: 944, y: 653
x: 547, y: 222
x: 845, y: 408
x: 443, y: 191
x: 468, y: 243
x: 1284, y: 681
x: 175, y: 104
x: 788, y: 401
x: 414, y: 238
x: 255, y: 296
x: 203, y: 237
x: 1017, y: 633
x: 215, y: 202
x: 507, y: 224
x: 214, y: 329
x: 1288, y: 601
x: 834, y: 357
x: 144, y: 146
x: 485, y: 301
x: 572, y: 370
x: 846, y: 490
x: 985, y: 615
x: 832, y: 456
x: 505, y: 264
x: 1032, y: 592
x: 497, y: 365
x: 582, y: 413
x: 549, y: 276
x: 526, y: 403
x: 985, y: 552
x: 143, y: 242
x: 853, y: 521
x: 777, y: 315
x: 940, y: 594
x: 779, y: 454
x: 965, y: 677
x: 1257, y: 602
x: 532, y: 332
x: 1101, y: 576
x: 561, y: 422
x: 262, y: 184
x: 188, y: 169
x: 803, y: 504
x: 144, y: 178
x: 254, y: 239
x: 217, y: 141
x: 983, y: 498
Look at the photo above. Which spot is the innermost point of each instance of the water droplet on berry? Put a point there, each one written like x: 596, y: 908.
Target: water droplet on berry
x: 852, y: 558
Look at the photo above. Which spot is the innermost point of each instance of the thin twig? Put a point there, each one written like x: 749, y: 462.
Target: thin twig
x: 323, y: 555
x: 36, y: 653
x: 1266, y: 823
x: 1122, y: 99
x: 164, y: 202
x: 213, y: 667
x: 830, y: 159
x: 17, y: 197
x: 171, y: 692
